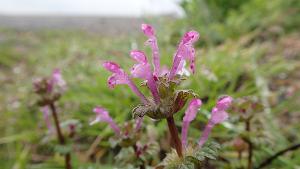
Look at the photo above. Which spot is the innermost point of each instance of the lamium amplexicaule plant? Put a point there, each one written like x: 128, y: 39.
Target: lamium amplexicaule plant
x: 166, y: 99
x: 138, y: 147
x: 49, y: 90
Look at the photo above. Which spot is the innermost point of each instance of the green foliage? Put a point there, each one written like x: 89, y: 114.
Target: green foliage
x: 219, y: 20
x: 194, y: 157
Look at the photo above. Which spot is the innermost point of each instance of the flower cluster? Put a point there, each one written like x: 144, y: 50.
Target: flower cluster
x: 166, y: 99
x: 49, y: 89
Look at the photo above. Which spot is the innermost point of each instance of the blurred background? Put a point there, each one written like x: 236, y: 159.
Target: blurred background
x: 246, y: 48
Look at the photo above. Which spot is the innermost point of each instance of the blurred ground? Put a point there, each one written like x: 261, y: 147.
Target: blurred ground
x: 103, y: 25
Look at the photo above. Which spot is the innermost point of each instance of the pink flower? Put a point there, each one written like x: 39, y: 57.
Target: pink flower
x: 120, y: 77
x: 46, y: 115
x: 218, y: 115
x: 103, y: 116
x: 185, y: 52
x: 190, y: 115
x: 56, y: 80
x: 152, y: 42
x: 143, y: 70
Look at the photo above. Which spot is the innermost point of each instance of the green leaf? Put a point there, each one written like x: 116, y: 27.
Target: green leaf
x: 63, y: 149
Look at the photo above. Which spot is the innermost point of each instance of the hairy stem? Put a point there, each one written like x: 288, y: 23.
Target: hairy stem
x: 60, y: 137
x: 174, y: 134
x: 269, y: 160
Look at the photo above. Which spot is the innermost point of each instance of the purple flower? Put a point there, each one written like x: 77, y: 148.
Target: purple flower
x: 190, y: 115
x: 218, y: 115
x: 143, y: 70
x: 120, y: 77
x: 103, y: 116
x: 56, y: 80
x: 46, y: 115
x: 152, y: 42
x: 184, y: 52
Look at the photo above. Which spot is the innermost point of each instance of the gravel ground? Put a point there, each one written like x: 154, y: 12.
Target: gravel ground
x: 106, y: 25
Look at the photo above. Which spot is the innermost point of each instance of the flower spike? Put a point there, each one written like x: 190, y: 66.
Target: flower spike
x: 103, y: 116
x: 143, y: 70
x: 190, y: 115
x: 152, y: 42
x: 218, y: 115
x: 120, y: 77
x: 184, y: 52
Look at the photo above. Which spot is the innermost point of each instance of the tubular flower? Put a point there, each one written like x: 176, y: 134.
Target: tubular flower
x: 218, y: 115
x: 120, y: 77
x: 190, y: 115
x: 152, y: 42
x: 143, y: 70
x: 184, y: 52
x: 103, y: 116
x: 46, y: 115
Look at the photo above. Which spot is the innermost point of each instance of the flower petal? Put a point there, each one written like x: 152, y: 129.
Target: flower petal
x: 190, y: 37
x: 142, y: 71
x: 139, y: 56
x: 224, y: 102
x: 184, y: 52
x: 218, y: 116
x: 112, y: 67
x: 152, y: 42
x: 102, y: 115
x: 190, y: 115
x: 148, y: 30
x: 116, y: 79
x: 119, y: 76
x: 192, y: 110
x: 57, y: 78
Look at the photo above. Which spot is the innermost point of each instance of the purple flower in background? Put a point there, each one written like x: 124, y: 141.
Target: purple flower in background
x: 103, y: 116
x: 184, y: 52
x: 56, y: 80
x: 152, y: 42
x: 143, y: 70
x: 190, y: 115
x: 46, y: 115
x: 218, y: 115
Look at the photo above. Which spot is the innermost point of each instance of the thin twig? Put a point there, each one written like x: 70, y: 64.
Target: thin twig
x: 60, y: 136
x: 92, y: 148
x: 174, y: 134
x: 269, y: 160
